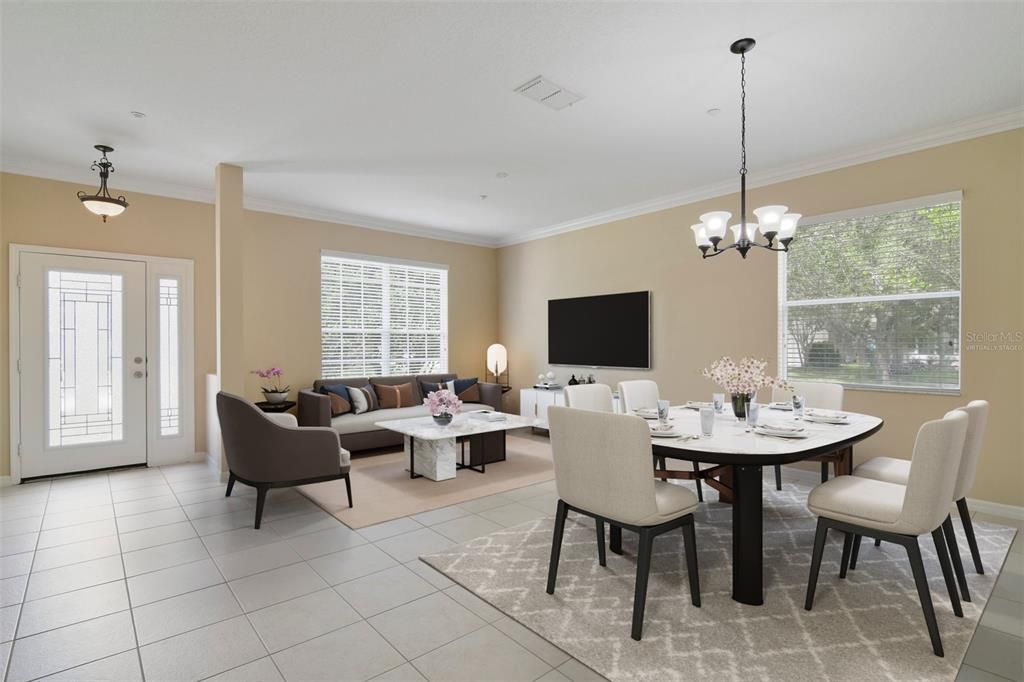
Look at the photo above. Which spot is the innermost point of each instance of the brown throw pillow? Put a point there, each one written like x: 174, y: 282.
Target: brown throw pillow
x: 394, y: 396
x: 471, y: 394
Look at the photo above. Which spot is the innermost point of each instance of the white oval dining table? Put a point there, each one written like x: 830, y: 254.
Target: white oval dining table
x: 741, y: 454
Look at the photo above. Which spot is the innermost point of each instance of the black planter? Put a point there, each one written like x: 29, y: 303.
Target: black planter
x: 739, y: 404
x: 443, y: 419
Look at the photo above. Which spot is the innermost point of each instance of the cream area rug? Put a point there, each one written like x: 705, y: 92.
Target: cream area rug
x: 866, y: 627
x: 382, y: 489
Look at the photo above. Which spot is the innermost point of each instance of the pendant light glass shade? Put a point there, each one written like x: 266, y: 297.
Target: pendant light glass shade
x: 104, y: 206
x: 751, y: 231
x: 787, y: 226
x: 700, y: 234
x: 102, y: 203
x: 769, y: 217
x: 715, y: 223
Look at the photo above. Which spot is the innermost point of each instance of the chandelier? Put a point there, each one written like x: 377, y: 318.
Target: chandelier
x: 772, y: 221
x: 101, y: 203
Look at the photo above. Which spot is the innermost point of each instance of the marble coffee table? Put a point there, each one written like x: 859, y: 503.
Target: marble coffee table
x: 433, y: 450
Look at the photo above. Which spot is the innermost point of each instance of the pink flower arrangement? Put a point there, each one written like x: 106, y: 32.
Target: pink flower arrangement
x: 274, y: 374
x: 744, y: 378
x: 443, y: 402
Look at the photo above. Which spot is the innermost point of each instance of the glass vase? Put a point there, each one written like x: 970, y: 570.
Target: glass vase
x: 739, y: 404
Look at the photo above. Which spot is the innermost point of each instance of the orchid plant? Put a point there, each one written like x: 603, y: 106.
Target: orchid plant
x: 443, y: 402
x: 272, y: 374
x: 743, y: 378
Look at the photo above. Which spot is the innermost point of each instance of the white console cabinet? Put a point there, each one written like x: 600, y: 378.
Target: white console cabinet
x: 534, y: 404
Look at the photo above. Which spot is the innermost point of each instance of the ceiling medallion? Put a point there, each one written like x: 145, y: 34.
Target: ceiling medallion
x: 772, y: 221
x: 101, y: 203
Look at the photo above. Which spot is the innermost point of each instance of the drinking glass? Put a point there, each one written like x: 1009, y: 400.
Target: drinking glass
x: 753, y: 412
x: 798, y: 406
x: 718, y: 399
x: 707, y: 421
x: 663, y: 412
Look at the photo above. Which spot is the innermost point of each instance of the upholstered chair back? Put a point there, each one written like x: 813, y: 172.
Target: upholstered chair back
x: 934, y: 469
x: 603, y: 463
x: 596, y: 397
x: 977, y: 418
x: 639, y: 394
x: 818, y: 394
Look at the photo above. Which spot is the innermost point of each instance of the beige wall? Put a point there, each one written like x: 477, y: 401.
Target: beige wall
x: 724, y: 305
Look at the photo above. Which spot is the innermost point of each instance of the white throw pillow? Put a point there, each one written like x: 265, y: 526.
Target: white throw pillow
x: 359, y: 402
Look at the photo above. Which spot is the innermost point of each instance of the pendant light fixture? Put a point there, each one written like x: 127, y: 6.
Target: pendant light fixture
x: 101, y: 203
x: 772, y: 221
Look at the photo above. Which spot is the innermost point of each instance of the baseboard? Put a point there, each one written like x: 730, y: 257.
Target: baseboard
x: 5, y: 481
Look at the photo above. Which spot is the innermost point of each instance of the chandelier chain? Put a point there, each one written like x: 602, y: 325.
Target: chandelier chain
x: 743, y: 114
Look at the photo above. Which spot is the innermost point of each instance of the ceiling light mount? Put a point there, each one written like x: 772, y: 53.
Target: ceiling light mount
x: 773, y: 221
x: 101, y: 203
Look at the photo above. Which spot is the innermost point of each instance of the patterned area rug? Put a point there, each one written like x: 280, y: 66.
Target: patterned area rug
x: 867, y: 627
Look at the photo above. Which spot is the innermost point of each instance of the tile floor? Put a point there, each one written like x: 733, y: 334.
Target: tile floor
x: 154, y: 574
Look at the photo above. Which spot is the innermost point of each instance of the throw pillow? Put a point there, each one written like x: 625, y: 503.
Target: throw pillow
x: 428, y: 387
x: 468, y: 390
x: 364, y: 398
x: 341, y: 400
x: 391, y: 396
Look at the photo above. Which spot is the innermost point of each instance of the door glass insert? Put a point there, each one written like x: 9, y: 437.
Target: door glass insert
x: 169, y: 358
x: 84, y: 361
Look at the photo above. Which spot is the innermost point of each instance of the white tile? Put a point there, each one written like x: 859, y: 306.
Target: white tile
x: 161, y: 535
x: 221, y: 523
x: 136, y: 479
x: 330, y: 657
x: 190, y: 656
x: 15, y: 564
x: 490, y: 502
x: 293, y: 507
x: 384, y: 590
x: 435, y: 516
x: 76, y: 503
x: 326, y: 541
x: 74, y: 518
x: 306, y: 523
x: 74, y: 577
x: 545, y: 502
x: 280, y: 584
x: 536, y: 644
x: 221, y: 505
x: 21, y: 511
x: 72, y: 607
x: 460, y: 661
x: 201, y: 483
x: 403, y: 673
x: 169, y: 582
x: 409, y: 546
x: 29, y: 524
x: 70, y: 646
x: 123, y: 667
x: 237, y: 540
x: 577, y: 672
x: 131, y: 494
x: 206, y: 494
x: 18, y: 544
x: 511, y: 514
x: 81, y: 494
x: 162, y: 517
x: 77, y: 533
x: 164, y: 556
x: 12, y: 590
x: 177, y: 472
x: 474, y: 603
x: 185, y: 612
x: 351, y: 563
x: 464, y: 529
x: 256, y: 560
x: 389, y: 528
x: 297, y: 620
x: 261, y: 670
x: 429, y: 573
x: 146, y: 504
x: 76, y: 552
x: 9, y: 622
x: 5, y: 653
x: 1005, y: 615
x: 425, y: 624
x: 555, y: 676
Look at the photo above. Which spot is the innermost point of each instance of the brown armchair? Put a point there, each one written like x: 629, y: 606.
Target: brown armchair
x: 272, y: 451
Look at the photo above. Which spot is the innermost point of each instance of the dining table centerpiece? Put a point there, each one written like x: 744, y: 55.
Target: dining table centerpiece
x: 443, y: 406
x: 742, y: 380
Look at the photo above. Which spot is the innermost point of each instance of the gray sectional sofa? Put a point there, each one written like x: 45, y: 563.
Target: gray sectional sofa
x: 357, y: 431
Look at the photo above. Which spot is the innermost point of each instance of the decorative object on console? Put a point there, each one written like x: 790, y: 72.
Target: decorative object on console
x: 742, y: 380
x: 101, y: 203
x: 573, y: 381
x: 497, y: 363
x: 275, y: 392
x: 773, y: 221
x: 443, y: 406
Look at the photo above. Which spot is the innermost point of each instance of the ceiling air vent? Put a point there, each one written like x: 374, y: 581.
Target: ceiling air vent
x: 542, y: 90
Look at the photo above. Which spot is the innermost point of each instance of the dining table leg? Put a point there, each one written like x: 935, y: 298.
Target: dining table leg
x: 747, y: 536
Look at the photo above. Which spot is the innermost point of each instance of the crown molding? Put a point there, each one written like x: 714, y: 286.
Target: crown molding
x: 167, y: 190
x: 934, y: 137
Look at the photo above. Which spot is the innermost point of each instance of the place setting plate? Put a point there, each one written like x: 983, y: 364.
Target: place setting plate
x: 781, y: 405
x: 826, y: 417
x: 778, y: 431
x: 696, y: 405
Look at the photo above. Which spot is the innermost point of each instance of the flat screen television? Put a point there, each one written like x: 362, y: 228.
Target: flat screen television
x: 613, y: 330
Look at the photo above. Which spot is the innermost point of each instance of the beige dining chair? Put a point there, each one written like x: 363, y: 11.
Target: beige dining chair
x: 603, y: 470
x: 895, y: 513
x: 820, y: 394
x: 895, y: 470
x: 642, y: 394
x: 596, y: 397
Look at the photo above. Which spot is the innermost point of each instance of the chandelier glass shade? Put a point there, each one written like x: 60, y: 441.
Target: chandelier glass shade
x: 773, y: 222
x: 101, y: 203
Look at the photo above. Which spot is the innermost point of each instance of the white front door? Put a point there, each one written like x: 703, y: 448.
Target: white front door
x: 83, y: 373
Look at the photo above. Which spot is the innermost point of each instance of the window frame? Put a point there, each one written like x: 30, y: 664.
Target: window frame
x: 783, y: 302
x: 386, y: 331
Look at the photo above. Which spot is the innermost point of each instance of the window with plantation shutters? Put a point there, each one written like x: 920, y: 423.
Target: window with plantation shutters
x: 380, y: 317
x: 871, y: 298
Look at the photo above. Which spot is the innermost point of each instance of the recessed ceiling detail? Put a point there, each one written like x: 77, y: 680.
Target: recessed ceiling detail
x: 551, y: 95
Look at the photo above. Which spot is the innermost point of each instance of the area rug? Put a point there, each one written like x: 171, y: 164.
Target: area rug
x: 382, y: 489
x: 867, y: 627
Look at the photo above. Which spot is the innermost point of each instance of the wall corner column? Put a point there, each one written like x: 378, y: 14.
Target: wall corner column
x: 230, y: 253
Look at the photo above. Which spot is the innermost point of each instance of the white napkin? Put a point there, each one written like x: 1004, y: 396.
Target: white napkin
x: 781, y: 428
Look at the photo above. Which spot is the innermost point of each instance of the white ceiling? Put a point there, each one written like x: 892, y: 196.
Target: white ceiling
x: 400, y: 115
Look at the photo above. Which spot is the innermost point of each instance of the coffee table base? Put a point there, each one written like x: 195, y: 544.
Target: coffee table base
x: 436, y: 459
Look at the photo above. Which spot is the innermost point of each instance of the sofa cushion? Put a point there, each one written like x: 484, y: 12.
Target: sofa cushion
x: 364, y: 399
x: 467, y: 390
x: 341, y: 400
x: 396, y: 395
x: 360, y: 423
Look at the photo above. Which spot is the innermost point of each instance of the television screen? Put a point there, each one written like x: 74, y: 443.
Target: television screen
x: 601, y: 331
